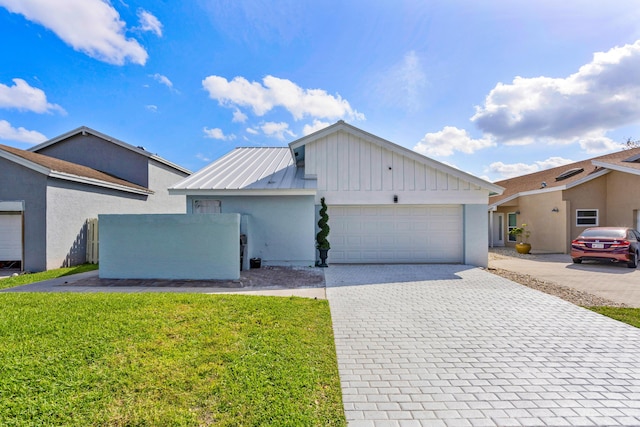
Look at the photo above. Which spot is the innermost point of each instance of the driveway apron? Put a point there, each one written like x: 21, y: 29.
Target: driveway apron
x: 453, y: 345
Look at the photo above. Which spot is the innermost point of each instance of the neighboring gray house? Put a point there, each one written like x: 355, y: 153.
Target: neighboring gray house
x: 48, y: 192
x: 387, y: 204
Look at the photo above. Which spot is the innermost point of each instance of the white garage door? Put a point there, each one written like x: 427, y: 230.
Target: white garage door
x: 10, y: 237
x: 395, y: 234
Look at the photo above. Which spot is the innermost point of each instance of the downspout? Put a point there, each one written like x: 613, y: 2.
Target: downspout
x: 491, y: 211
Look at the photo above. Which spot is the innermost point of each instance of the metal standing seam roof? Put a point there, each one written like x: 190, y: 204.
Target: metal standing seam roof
x: 249, y: 168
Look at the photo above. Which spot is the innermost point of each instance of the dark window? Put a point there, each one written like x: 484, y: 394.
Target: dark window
x: 586, y: 217
x: 512, y: 222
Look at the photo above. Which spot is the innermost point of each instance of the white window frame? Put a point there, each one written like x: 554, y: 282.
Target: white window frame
x: 511, y: 237
x: 595, y: 218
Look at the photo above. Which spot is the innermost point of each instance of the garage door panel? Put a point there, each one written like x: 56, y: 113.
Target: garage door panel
x: 10, y: 237
x: 387, y: 234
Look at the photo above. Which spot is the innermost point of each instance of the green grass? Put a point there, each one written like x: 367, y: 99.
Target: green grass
x: 167, y: 360
x: 25, y: 279
x: 626, y: 315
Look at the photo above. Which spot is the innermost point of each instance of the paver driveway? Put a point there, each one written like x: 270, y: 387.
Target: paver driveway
x: 457, y: 346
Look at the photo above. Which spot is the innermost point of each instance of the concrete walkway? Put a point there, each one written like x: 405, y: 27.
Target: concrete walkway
x: 615, y: 282
x: 73, y: 283
x: 422, y: 345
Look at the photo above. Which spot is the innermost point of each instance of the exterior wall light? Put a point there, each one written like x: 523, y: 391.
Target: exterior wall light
x: 395, y: 198
x: 555, y: 210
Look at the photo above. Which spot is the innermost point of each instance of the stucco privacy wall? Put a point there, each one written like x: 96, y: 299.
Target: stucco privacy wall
x: 69, y: 205
x: 281, y: 228
x: 353, y: 170
x: 170, y: 246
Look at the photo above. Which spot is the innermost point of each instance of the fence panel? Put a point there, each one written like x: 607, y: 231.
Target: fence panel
x: 92, y: 241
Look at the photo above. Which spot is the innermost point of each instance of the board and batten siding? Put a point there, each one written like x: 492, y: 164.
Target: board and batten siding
x: 352, y: 170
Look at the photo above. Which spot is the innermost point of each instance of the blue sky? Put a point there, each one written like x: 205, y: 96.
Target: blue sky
x: 495, y: 88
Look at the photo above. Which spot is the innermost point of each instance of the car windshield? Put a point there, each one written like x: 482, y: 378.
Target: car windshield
x: 614, y: 234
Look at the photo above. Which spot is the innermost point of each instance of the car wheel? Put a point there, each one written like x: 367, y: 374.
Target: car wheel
x: 577, y: 260
x: 634, y: 261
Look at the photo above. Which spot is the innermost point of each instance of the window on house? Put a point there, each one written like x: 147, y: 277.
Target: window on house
x: 512, y: 222
x: 206, y: 206
x: 586, y: 217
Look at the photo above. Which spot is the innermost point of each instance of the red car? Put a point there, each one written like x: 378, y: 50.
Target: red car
x: 617, y: 244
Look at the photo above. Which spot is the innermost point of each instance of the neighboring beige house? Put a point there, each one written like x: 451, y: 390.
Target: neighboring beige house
x: 557, y: 204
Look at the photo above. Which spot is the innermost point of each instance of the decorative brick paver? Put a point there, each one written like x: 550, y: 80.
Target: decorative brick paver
x: 457, y: 346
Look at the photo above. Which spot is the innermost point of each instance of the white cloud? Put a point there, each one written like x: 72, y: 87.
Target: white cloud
x: 600, y: 96
x: 513, y: 169
x: 275, y: 92
x: 276, y: 130
x: 518, y: 169
x: 449, y: 140
x: 217, y: 133
x: 596, y: 143
x: 202, y: 157
x: 553, y: 162
x: 9, y: 133
x: 403, y: 84
x: 152, y: 108
x: 148, y: 22
x: 21, y: 96
x: 163, y: 80
x: 314, y: 127
x: 252, y: 131
x: 90, y: 26
x: 239, y: 116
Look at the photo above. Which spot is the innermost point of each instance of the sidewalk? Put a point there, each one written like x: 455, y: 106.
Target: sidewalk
x: 74, y: 283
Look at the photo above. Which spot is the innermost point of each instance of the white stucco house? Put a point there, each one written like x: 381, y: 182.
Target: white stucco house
x: 386, y: 203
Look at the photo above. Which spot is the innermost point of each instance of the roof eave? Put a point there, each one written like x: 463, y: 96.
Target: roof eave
x: 240, y: 192
x: 98, y: 183
x: 24, y: 162
x: 69, y: 177
x: 616, y: 167
x: 551, y: 189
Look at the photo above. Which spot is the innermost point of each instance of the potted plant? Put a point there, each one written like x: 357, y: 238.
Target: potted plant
x: 522, y: 235
x: 322, y: 243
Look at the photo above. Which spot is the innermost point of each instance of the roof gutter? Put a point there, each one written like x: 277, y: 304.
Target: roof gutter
x: 615, y: 167
x: 241, y: 192
x: 70, y: 177
x: 98, y: 183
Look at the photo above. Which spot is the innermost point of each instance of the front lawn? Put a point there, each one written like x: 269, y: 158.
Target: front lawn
x: 25, y: 279
x: 626, y: 315
x: 167, y: 359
